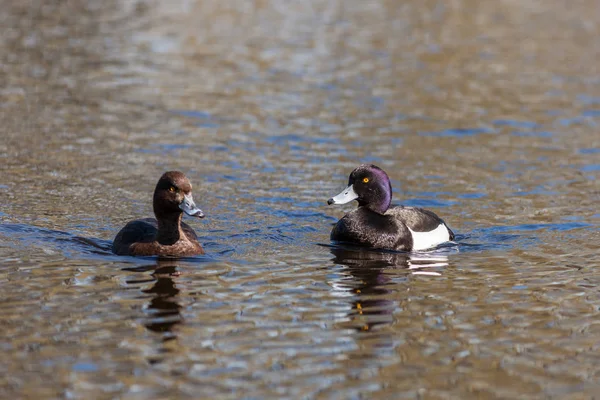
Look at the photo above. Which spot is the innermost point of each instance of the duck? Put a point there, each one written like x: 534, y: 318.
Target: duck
x: 374, y: 224
x: 166, y: 235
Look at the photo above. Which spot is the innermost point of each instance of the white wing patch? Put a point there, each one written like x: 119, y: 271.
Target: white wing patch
x: 427, y: 240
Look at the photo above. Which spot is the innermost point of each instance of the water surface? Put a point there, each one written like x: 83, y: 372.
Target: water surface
x: 485, y: 112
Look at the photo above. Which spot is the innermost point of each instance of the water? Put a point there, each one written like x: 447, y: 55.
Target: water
x: 485, y: 112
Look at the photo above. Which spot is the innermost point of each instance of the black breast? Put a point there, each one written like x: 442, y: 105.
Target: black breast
x: 365, y: 227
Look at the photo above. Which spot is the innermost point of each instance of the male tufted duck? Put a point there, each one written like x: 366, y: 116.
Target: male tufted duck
x: 166, y: 235
x: 376, y: 225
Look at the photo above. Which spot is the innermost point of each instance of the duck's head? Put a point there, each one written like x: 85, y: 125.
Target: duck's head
x: 173, y: 195
x: 370, y: 186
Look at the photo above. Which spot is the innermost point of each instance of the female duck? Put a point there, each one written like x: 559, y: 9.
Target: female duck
x: 166, y: 235
x: 376, y: 225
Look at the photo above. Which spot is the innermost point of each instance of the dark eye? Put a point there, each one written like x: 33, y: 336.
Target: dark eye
x: 365, y: 180
x: 172, y: 189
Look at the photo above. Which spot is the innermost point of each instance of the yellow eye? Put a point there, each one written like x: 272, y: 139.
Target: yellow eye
x: 365, y: 180
x: 172, y: 189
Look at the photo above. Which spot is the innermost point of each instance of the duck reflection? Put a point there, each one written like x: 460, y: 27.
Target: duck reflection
x: 163, y: 310
x: 366, y: 280
x: 369, y: 277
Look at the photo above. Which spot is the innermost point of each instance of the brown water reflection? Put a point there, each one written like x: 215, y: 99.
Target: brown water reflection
x: 486, y: 112
x: 163, y: 308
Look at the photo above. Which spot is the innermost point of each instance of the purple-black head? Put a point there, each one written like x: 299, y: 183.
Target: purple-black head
x: 368, y: 184
x: 173, y: 194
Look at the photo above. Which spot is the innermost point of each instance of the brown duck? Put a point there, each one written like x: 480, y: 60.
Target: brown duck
x: 166, y: 235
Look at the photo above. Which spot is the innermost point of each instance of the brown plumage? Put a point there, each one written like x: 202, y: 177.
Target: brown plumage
x: 166, y: 235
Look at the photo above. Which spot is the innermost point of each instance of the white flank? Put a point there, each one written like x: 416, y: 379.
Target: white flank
x: 427, y: 240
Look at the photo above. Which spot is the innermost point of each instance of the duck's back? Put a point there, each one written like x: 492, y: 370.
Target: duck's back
x: 426, y: 228
x: 141, y: 230
x: 418, y: 219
